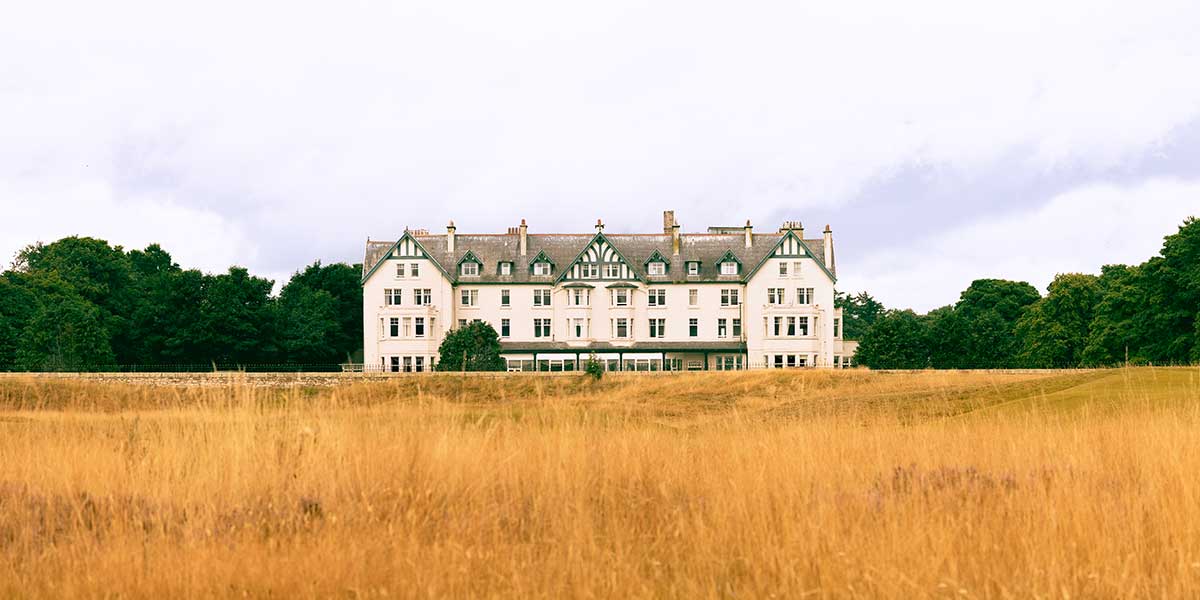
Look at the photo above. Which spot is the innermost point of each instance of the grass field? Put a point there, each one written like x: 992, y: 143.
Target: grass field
x: 764, y: 484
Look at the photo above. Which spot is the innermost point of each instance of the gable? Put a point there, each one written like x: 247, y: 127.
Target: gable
x: 601, y: 256
x: 406, y: 247
x: 791, y: 246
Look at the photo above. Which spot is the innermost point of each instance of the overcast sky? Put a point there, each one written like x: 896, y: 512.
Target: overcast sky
x: 943, y: 141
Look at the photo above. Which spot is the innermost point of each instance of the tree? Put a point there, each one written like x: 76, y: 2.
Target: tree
x: 99, y: 273
x: 341, y: 283
x: 1117, y: 318
x: 859, y: 313
x: 1172, y: 284
x: 234, y: 323
x: 990, y: 309
x: 948, y: 334
x: 308, y: 326
x: 475, y: 347
x: 897, y: 340
x: 66, y: 333
x: 1054, y: 331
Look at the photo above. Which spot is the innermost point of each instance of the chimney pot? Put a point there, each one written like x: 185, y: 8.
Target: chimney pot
x: 450, y: 237
x: 668, y: 220
x: 749, y: 234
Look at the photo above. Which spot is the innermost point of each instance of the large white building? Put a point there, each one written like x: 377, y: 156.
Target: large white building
x: 729, y: 298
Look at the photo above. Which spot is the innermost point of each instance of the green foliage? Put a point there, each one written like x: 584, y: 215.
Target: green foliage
x: 594, y: 367
x: 859, y: 313
x: 327, y: 342
x: 65, y: 333
x: 1054, y: 331
x: 475, y: 347
x: 897, y: 340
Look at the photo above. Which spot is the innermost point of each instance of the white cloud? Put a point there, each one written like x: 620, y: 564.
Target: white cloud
x: 1075, y: 232
x: 307, y: 127
x: 198, y: 238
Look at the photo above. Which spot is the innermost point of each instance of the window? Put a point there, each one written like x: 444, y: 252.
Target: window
x: 469, y: 269
x: 408, y: 364
x: 791, y: 326
x: 837, y: 328
x: 791, y: 361
x: 579, y: 328
x: 581, y: 297
x: 658, y: 328
x: 620, y: 328
x: 505, y: 298
x: 737, y: 328
x: 802, y: 325
x: 777, y: 329
x: 399, y: 270
x: 693, y: 327
x: 796, y: 268
x: 620, y: 297
x: 729, y: 268
x: 420, y: 364
x: 775, y: 295
x: 541, y: 328
x: 722, y: 329
x: 658, y: 268
x: 395, y: 364
x: 407, y: 326
x: 541, y: 268
x: 612, y: 270
x: 589, y: 271
x: 414, y: 269
x: 693, y: 297
x: 505, y: 329
x: 657, y: 298
x: 419, y: 327
x: 462, y: 323
x: 778, y: 361
x: 804, y: 295
x: 693, y: 268
x: 391, y: 297
x: 422, y: 297
x: 394, y: 327
x: 470, y: 297
x: 505, y: 268
x: 729, y: 297
x: 783, y: 269
x: 541, y: 297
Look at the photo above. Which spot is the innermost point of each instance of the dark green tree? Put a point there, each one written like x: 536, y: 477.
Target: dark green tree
x: 948, y: 335
x: 990, y: 309
x: 341, y: 282
x: 859, y: 313
x: 1172, y: 284
x: 897, y: 340
x: 99, y: 273
x: 1116, y: 327
x: 475, y: 347
x: 308, y: 326
x: 65, y: 333
x: 1054, y: 331
x: 235, y: 324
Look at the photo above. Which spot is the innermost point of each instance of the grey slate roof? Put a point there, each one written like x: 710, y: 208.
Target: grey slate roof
x: 563, y: 249
x: 717, y: 346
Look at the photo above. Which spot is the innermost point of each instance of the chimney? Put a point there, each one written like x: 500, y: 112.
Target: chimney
x: 450, y: 237
x: 523, y: 244
x: 599, y: 226
x: 668, y: 220
x: 675, y: 239
x: 800, y: 230
x: 828, y: 248
x: 749, y: 234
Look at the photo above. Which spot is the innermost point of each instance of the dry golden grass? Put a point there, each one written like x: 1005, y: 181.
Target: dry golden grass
x: 800, y: 484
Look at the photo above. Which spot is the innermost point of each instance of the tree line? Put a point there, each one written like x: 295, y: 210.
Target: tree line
x: 82, y: 304
x: 1143, y: 314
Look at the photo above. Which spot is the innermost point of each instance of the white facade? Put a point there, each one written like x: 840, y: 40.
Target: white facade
x: 726, y: 299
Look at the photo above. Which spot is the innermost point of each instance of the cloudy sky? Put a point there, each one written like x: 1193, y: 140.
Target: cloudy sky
x: 943, y: 141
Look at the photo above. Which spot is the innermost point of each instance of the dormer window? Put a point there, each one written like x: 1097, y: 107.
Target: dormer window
x: 658, y: 268
x: 541, y: 268
x: 693, y: 268
x: 469, y: 269
x: 729, y: 268
x: 506, y: 268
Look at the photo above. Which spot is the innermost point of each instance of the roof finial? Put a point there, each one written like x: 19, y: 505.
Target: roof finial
x: 599, y: 225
